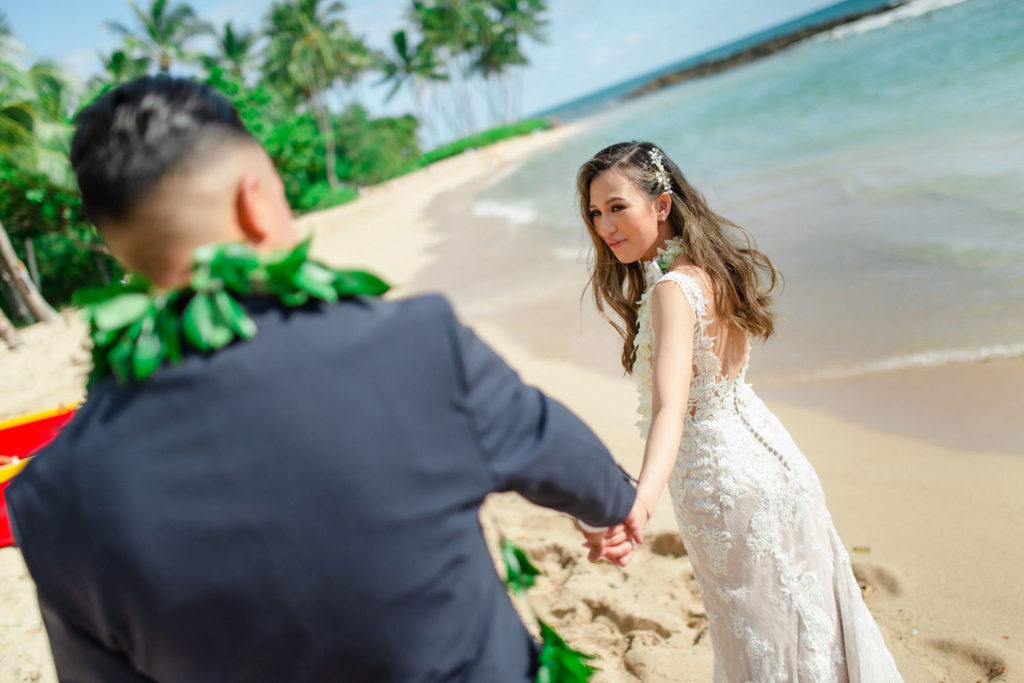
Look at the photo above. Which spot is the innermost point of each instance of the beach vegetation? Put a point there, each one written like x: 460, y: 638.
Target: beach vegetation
x: 294, y: 81
x: 485, y: 138
x: 163, y: 33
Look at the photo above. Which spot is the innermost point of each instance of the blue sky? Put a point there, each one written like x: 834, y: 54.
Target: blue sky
x: 591, y: 44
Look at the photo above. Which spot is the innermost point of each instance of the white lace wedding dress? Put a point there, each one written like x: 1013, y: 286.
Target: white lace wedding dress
x: 782, y: 602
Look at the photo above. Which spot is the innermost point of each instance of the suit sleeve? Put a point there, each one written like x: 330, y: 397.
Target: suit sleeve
x: 534, y: 445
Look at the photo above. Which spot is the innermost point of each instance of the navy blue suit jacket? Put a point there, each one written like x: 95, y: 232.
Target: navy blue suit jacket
x: 302, y: 506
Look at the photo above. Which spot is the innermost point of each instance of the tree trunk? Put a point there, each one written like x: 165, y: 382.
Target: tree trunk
x: 33, y: 267
x: 36, y: 304
x: 17, y: 302
x: 323, y: 117
x: 101, y: 266
x: 327, y: 131
x: 8, y: 333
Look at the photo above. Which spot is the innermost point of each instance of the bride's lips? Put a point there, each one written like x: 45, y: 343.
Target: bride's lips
x: 615, y: 244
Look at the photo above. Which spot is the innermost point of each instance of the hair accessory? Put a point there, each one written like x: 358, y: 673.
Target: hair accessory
x: 659, y: 171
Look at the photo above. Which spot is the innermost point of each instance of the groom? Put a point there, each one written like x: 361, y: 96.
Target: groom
x: 301, y: 506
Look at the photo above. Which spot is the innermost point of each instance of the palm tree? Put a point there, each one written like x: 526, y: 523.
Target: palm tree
x: 163, y: 32
x: 416, y: 66
x: 410, y: 65
x: 500, y: 49
x: 122, y: 65
x: 310, y: 51
x: 451, y: 30
x: 235, y: 50
x: 478, y: 39
x: 17, y: 117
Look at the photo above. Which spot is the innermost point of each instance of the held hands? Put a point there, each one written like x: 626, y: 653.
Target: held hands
x: 618, y: 543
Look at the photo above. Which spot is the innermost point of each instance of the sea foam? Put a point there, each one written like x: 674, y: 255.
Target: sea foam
x: 931, y: 358
x: 517, y: 214
x: 877, y: 21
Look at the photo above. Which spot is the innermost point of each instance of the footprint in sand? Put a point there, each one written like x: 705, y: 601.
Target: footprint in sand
x: 667, y: 544
x: 981, y: 660
x: 624, y: 622
x: 873, y: 577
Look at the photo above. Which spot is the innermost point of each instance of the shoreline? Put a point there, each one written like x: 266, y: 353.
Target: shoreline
x: 973, y: 406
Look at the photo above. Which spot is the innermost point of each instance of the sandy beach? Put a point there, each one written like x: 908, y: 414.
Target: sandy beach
x: 923, y: 468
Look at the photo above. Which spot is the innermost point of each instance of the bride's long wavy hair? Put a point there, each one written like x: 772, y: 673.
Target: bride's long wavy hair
x: 742, y: 276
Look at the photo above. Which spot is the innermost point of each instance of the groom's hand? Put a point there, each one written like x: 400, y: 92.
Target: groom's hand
x: 613, y: 545
x: 617, y: 546
x: 595, y: 541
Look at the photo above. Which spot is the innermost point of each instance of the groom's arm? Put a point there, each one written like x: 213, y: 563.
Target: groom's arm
x: 533, y: 445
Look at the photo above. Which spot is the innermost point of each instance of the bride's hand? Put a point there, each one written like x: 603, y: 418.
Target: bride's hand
x: 638, y: 517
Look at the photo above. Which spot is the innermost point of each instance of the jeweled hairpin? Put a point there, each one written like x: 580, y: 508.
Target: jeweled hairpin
x: 659, y: 171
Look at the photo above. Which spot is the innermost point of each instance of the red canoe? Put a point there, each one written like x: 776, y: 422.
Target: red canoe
x: 20, y: 437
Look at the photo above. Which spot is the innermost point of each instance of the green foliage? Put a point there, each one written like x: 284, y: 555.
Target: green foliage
x: 311, y: 48
x: 484, y: 35
x: 323, y: 196
x: 162, y: 32
x: 485, y: 138
x: 280, y: 79
x: 67, y: 249
x: 519, y: 571
x: 559, y: 663
x: 371, y: 150
x: 236, y: 50
x: 409, y: 64
x: 135, y: 329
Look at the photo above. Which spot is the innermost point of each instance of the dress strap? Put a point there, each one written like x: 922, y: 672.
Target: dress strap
x: 693, y: 293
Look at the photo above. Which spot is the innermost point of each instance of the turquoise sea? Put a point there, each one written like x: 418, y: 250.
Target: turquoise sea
x: 880, y: 166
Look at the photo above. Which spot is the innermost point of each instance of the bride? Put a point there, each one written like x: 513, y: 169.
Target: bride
x: 691, y: 290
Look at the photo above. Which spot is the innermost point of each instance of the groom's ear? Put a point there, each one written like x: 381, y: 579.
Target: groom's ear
x: 251, y: 209
x: 261, y: 208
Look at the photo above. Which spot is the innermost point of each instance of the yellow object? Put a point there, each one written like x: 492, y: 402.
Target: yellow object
x: 35, y: 417
x: 7, y: 472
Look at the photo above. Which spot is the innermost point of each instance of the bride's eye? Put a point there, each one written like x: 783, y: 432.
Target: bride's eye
x: 618, y: 207
x: 594, y: 213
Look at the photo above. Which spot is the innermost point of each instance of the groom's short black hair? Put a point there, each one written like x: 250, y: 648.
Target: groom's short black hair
x: 131, y: 136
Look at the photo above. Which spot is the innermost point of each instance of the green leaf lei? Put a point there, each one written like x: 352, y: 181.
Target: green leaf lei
x: 558, y: 662
x: 134, y: 328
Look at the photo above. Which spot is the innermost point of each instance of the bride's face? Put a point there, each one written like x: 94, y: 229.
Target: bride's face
x: 630, y: 223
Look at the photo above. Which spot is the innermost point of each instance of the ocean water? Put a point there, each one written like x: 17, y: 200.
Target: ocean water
x: 880, y: 166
